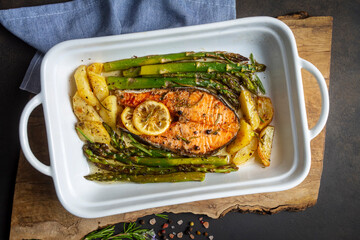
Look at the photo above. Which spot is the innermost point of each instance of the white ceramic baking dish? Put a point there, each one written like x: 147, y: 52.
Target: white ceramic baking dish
x: 271, y: 42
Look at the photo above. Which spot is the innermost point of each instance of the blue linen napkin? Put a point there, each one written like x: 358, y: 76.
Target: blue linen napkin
x: 44, y: 26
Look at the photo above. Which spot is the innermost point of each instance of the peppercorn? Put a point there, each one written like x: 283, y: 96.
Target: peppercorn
x: 206, y: 234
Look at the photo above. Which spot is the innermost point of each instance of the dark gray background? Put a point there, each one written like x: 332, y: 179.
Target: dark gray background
x: 335, y: 216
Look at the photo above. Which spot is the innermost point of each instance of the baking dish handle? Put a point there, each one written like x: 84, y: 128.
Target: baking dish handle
x: 24, y: 141
x: 324, y: 97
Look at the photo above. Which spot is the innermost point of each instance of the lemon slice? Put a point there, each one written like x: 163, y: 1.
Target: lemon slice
x: 151, y: 118
x: 126, y: 118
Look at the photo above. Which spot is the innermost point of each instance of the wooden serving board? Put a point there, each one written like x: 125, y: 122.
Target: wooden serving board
x: 37, y: 213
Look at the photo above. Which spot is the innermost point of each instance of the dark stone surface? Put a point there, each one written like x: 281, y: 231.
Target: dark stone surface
x: 335, y: 216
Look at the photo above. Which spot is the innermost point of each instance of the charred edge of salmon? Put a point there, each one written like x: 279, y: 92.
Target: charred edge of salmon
x: 180, y: 152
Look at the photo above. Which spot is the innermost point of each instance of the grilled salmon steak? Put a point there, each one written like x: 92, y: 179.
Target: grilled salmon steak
x: 201, y: 122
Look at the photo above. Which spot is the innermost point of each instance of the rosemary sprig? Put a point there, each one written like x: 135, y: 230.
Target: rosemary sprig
x: 131, y: 231
x: 261, y: 119
x: 255, y: 134
x: 164, y: 216
x: 182, y: 138
x: 82, y: 133
x: 104, y: 233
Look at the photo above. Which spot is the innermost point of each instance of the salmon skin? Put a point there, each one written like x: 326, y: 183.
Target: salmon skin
x: 202, y: 123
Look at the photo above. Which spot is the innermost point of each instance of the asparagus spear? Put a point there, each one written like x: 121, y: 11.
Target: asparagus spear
x: 143, y: 170
x: 115, y: 140
x: 172, y: 177
x: 260, y: 85
x: 210, y: 164
x: 102, y: 152
x: 228, y: 79
x: 143, y: 83
x: 247, y: 82
x: 158, y: 59
x: 111, y: 165
x: 168, y: 162
x: 118, y: 143
x: 154, y: 152
x: 131, y: 72
x: 199, y: 67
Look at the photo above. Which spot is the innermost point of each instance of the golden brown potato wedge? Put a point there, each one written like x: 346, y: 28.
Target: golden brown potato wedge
x: 94, y: 131
x: 109, y: 110
x: 83, y: 111
x: 242, y: 139
x: 244, y: 154
x: 95, y: 67
x: 249, y: 109
x: 265, y: 144
x: 99, y: 85
x: 83, y: 86
x: 265, y: 110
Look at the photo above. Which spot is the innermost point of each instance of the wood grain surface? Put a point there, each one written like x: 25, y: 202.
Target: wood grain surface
x: 37, y: 213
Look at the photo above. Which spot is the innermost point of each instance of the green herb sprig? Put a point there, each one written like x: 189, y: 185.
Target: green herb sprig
x: 164, y: 216
x: 131, y: 231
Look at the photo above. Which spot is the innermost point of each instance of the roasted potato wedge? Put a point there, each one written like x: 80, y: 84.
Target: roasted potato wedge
x: 109, y: 110
x: 95, y: 67
x: 242, y: 139
x: 244, y: 154
x: 265, y: 144
x: 94, y: 131
x: 99, y: 85
x: 265, y: 110
x: 248, y: 108
x: 83, y: 86
x: 83, y: 111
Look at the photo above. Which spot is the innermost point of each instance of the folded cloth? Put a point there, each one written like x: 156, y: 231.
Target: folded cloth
x: 44, y: 26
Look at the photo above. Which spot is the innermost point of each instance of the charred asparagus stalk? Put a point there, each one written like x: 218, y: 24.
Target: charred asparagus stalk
x: 115, y: 140
x: 114, y: 166
x: 103, y: 154
x: 171, y: 177
x: 150, y: 151
x: 102, y: 151
x: 118, y: 143
x: 143, y: 170
x: 169, y: 162
x: 228, y: 79
x: 199, y: 67
x: 158, y: 59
